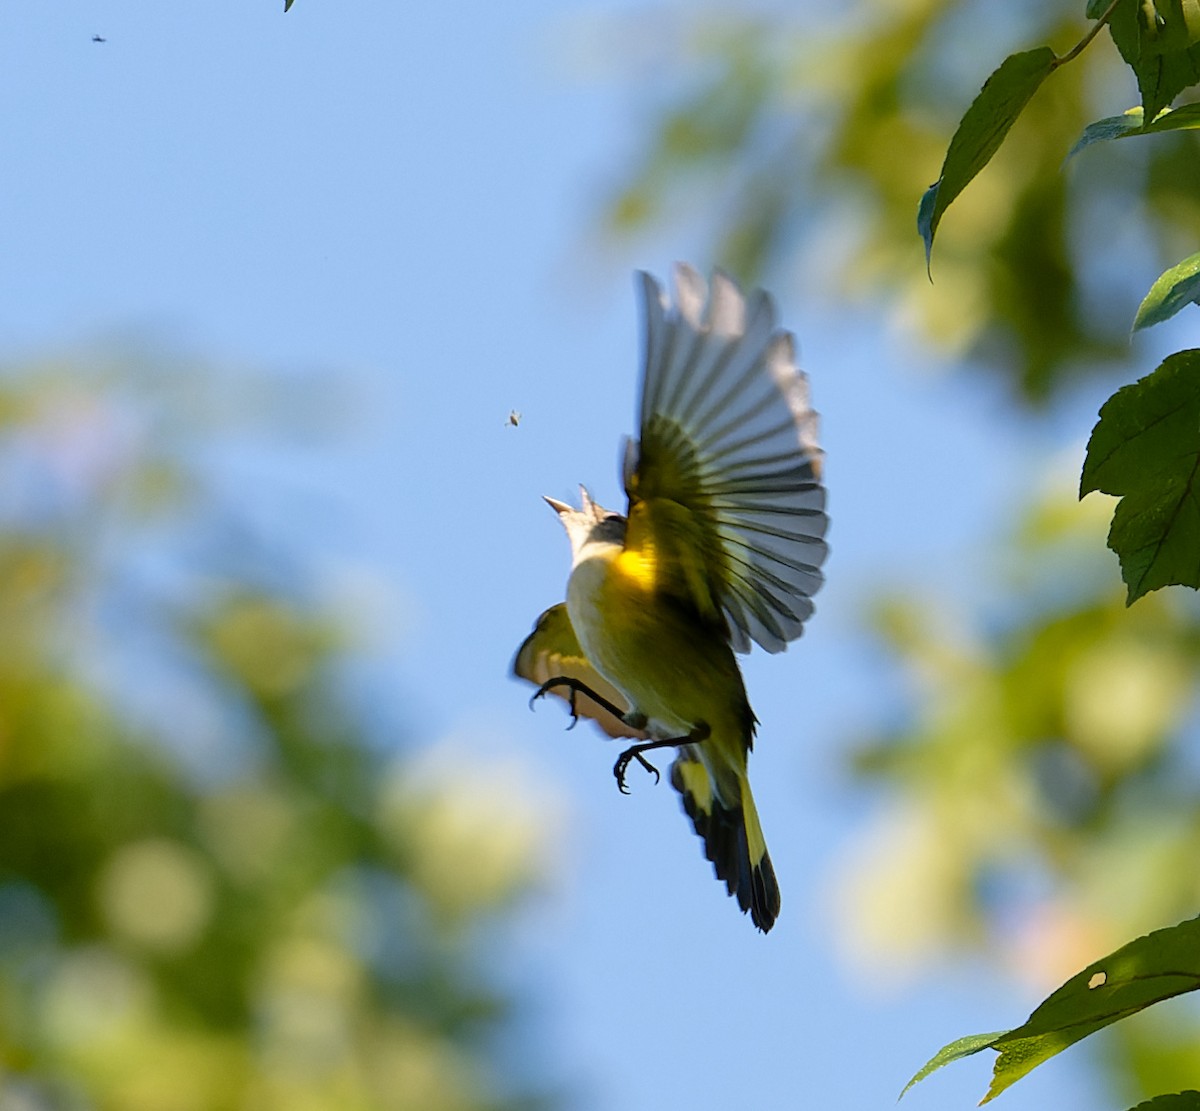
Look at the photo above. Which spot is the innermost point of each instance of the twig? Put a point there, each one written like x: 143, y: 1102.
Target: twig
x: 1082, y: 43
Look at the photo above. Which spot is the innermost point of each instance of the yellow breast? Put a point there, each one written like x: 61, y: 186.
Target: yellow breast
x: 639, y: 569
x: 666, y: 663
x: 607, y: 596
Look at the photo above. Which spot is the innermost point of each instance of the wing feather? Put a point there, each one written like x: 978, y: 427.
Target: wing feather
x: 725, y: 477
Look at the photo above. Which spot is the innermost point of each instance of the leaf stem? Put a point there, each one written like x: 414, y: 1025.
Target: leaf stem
x: 1078, y: 48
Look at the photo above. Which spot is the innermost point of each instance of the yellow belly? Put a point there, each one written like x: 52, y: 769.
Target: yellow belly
x: 671, y: 667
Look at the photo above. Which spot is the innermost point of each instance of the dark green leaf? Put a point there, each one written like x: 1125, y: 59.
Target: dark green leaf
x: 1178, y: 1101
x: 1176, y: 26
x: 1173, y: 289
x: 982, y: 130
x: 963, y: 1047
x: 1157, y: 44
x: 1146, y: 449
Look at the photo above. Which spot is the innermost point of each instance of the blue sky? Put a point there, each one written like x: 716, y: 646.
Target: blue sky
x: 407, y: 194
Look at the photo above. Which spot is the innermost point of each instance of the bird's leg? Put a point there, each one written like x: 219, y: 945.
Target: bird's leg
x: 634, y: 752
x: 630, y: 718
x: 576, y: 688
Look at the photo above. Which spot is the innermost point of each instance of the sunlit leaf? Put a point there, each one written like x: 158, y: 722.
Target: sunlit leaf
x: 1152, y: 968
x: 1174, y: 288
x: 1148, y: 970
x: 955, y: 1051
x: 1145, y: 450
x: 982, y: 130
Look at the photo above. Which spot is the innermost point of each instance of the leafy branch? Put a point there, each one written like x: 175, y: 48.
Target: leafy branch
x: 989, y: 119
x: 1156, y: 526
x: 1145, y: 450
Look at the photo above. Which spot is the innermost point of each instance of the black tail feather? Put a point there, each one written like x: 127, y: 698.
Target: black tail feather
x: 723, y: 831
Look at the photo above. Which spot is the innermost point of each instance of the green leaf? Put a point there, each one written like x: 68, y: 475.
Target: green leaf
x: 963, y: 1047
x: 1145, y: 449
x: 1171, y: 291
x: 1185, y: 117
x: 1111, y: 127
x: 1157, y: 43
x: 1148, y: 970
x: 982, y: 130
x: 1176, y: 26
x: 1132, y: 122
x: 925, y: 218
x: 1178, y: 1101
x: 1152, y: 968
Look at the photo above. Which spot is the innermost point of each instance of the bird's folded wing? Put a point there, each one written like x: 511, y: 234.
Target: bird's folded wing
x: 552, y: 650
x: 724, y: 481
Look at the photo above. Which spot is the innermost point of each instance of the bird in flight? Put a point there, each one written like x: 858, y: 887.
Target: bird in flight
x: 721, y: 546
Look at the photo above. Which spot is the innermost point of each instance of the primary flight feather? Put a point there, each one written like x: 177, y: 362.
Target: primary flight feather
x: 721, y: 545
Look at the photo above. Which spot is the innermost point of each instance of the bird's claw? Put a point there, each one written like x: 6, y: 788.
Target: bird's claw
x: 548, y: 686
x: 622, y: 766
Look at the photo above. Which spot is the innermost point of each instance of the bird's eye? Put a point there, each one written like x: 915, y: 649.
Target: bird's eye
x: 613, y: 517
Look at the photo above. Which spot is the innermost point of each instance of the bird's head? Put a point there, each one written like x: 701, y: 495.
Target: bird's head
x: 590, y: 524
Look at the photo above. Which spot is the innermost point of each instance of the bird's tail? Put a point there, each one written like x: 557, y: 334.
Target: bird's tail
x: 726, y: 820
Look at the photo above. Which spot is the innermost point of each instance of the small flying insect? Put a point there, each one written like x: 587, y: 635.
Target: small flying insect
x: 514, y: 419
x: 98, y: 38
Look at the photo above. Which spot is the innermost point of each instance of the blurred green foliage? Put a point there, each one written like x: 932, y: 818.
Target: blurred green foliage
x: 1044, y: 798
x: 220, y: 886
x: 810, y: 140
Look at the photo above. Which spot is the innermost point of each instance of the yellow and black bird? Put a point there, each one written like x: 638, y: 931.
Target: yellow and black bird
x: 721, y: 545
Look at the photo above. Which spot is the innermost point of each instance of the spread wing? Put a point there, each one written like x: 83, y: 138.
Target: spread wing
x: 724, y: 481
x: 551, y: 650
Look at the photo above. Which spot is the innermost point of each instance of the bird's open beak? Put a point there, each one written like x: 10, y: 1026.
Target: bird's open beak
x: 559, y: 507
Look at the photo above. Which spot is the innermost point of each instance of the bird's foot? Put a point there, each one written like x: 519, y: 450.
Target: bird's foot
x: 622, y: 766
x: 577, y: 688
x: 635, y: 752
